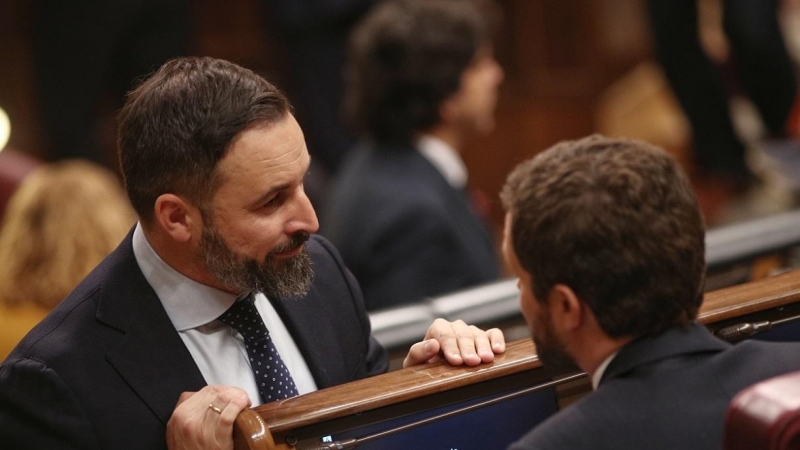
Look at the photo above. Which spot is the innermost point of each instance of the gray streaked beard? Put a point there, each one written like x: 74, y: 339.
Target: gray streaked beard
x: 290, y: 278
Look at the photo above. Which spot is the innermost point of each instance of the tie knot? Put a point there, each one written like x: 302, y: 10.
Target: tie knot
x: 244, y: 317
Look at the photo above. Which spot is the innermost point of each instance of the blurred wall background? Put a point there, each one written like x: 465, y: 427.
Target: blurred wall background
x: 573, y: 67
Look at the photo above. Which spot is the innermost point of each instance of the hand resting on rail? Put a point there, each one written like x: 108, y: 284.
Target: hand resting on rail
x: 203, y: 420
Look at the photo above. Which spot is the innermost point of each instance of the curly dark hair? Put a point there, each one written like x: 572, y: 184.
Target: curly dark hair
x: 405, y: 58
x: 177, y: 125
x: 617, y: 221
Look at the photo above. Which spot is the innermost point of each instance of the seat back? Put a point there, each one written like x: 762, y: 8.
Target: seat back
x: 765, y: 416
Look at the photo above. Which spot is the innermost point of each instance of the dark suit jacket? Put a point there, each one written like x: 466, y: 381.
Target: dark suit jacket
x: 106, y: 367
x: 667, y: 392
x: 403, y: 230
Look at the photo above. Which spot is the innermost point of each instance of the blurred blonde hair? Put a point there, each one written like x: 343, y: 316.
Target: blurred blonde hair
x: 61, y: 222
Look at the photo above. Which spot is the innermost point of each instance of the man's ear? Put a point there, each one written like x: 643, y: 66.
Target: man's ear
x: 177, y: 218
x: 567, y: 311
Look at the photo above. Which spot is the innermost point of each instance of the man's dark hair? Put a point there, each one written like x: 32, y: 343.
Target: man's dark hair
x: 406, y: 57
x: 616, y: 221
x: 177, y: 125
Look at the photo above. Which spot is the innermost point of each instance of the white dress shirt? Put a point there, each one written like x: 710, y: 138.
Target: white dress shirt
x: 446, y: 160
x: 217, y: 349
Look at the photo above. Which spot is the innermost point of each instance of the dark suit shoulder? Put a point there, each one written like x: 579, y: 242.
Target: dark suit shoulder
x: 322, y: 251
x: 71, y: 324
x: 752, y: 361
x: 630, y: 413
x: 27, y: 389
x: 52, y: 338
x: 559, y: 431
x: 109, y: 354
x: 330, y: 272
x: 677, y: 402
x: 373, y: 177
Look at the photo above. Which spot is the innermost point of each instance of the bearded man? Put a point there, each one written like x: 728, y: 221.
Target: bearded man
x: 608, y: 243
x: 210, y: 303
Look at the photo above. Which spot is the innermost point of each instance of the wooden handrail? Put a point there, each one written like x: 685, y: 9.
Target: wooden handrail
x: 722, y: 306
x: 371, y: 393
x: 748, y: 298
x: 251, y: 432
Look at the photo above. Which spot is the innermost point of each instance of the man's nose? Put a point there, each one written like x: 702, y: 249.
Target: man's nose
x: 304, y: 217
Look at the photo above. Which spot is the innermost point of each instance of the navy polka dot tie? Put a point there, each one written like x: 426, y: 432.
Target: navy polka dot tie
x: 273, y: 378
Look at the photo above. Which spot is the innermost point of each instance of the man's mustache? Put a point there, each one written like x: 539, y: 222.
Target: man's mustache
x: 297, y: 239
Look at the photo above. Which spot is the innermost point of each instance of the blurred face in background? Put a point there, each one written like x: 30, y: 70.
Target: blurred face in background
x: 472, y: 107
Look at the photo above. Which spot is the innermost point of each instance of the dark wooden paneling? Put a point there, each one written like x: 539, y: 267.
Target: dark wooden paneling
x: 558, y: 56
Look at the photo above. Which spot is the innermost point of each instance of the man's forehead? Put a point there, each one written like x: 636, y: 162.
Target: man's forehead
x: 277, y: 142
x: 267, y: 156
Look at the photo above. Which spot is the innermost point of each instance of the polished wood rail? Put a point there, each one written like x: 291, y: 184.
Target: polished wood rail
x: 771, y: 298
x: 391, y: 388
x: 761, y: 296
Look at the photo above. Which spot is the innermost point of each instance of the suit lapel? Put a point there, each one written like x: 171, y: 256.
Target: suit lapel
x: 151, y: 356
x: 325, y: 323
x: 309, y: 322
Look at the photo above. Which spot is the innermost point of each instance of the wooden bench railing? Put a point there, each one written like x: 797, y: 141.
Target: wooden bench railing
x: 272, y: 426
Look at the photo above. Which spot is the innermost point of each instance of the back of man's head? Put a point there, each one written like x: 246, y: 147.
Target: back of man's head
x: 180, y: 122
x: 405, y: 58
x: 616, y: 221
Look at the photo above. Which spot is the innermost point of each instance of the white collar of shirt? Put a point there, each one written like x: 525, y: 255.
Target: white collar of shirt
x: 598, y: 374
x: 189, y: 304
x: 446, y: 160
x: 218, y: 350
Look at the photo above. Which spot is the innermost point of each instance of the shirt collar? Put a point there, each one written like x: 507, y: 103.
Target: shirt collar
x: 189, y: 304
x: 598, y: 374
x: 445, y: 158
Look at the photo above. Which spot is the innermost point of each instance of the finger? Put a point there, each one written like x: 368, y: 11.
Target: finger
x: 422, y: 352
x: 488, y: 343
x: 224, y: 424
x: 186, y: 421
x: 498, y: 340
x: 211, y: 406
x: 483, y: 346
x: 237, y: 403
x: 195, y: 420
x: 470, y: 339
x: 447, y: 334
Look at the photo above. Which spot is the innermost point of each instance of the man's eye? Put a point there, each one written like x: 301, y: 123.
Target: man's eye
x: 274, y: 201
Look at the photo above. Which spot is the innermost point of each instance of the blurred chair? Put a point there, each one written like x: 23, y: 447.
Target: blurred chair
x: 61, y: 222
x: 765, y: 416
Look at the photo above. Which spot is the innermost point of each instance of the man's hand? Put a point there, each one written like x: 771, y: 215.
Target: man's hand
x: 458, y: 343
x: 204, y: 419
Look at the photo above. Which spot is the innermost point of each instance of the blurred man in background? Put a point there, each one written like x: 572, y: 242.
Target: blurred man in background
x: 421, y: 82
